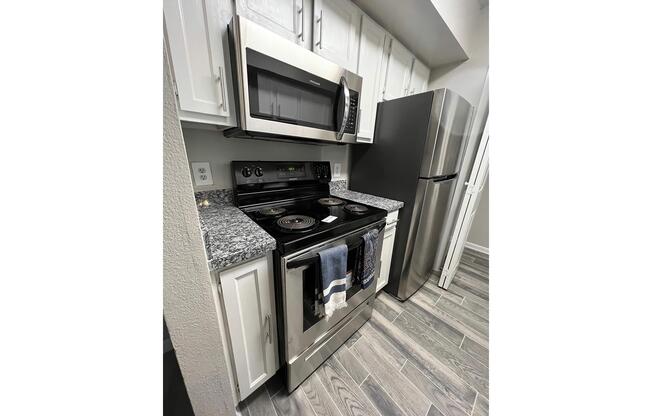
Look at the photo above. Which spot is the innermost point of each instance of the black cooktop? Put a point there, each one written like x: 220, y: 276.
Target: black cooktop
x: 299, y: 224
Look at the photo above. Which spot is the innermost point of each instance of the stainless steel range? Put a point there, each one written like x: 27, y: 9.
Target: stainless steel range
x: 291, y: 201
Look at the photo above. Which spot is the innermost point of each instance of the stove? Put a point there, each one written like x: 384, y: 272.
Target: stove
x: 292, y: 203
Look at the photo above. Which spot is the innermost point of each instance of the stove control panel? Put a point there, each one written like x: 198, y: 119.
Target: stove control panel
x: 260, y: 172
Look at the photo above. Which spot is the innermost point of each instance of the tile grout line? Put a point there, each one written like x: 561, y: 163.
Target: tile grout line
x: 428, y: 380
x: 477, y: 393
x: 365, y: 379
x: 383, y: 388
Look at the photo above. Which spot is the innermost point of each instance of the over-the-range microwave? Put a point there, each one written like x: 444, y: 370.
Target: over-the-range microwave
x: 284, y: 91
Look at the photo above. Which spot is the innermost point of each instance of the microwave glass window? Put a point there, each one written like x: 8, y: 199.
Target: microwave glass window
x: 283, y: 93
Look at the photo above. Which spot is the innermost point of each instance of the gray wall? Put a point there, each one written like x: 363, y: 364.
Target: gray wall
x: 479, y: 233
x: 211, y: 146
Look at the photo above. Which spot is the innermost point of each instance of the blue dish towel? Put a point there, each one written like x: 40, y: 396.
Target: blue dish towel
x: 334, y: 279
x: 369, y: 257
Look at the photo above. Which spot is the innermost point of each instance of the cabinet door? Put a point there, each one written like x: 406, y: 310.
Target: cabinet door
x: 373, y: 41
x: 419, y: 78
x: 398, y: 71
x: 283, y: 17
x: 336, y: 26
x: 386, y: 256
x: 196, y: 30
x: 248, y: 295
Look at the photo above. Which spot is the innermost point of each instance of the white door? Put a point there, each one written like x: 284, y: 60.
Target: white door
x: 419, y: 78
x: 248, y: 295
x: 386, y: 256
x: 283, y: 17
x: 196, y: 32
x: 399, y: 68
x: 371, y: 61
x: 467, y: 212
x: 336, y: 26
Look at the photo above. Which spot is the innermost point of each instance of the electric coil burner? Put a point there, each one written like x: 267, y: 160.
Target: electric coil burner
x: 291, y: 201
x: 356, y: 208
x: 272, y: 211
x: 295, y: 223
x: 330, y: 201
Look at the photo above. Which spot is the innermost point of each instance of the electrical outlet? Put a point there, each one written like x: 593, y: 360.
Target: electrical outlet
x: 201, y: 171
x: 337, y: 169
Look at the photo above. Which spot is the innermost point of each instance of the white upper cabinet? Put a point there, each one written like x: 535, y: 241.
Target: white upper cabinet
x: 336, y: 26
x: 419, y: 78
x: 371, y: 67
x: 399, y: 68
x: 286, y: 18
x: 248, y: 295
x: 196, y: 34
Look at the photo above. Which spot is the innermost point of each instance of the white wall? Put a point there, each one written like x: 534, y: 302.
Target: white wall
x: 461, y: 16
x: 189, y: 306
x: 467, y: 78
x: 211, y: 146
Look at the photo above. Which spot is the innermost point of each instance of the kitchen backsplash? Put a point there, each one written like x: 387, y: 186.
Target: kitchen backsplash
x: 219, y: 151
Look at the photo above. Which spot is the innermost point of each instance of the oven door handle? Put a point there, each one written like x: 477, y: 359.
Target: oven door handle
x: 347, y: 107
x: 314, y: 259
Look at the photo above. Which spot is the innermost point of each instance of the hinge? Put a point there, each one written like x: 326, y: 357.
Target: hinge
x: 237, y: 388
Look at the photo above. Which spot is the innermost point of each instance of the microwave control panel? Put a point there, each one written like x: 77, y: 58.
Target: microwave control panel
x: 352, y: 121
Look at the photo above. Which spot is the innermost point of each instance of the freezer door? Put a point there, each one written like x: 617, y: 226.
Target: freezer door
x: 449, y: 121
x: 424, y: 238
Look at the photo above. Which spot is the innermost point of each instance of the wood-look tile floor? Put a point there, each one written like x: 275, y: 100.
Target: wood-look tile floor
x: 423, y: 357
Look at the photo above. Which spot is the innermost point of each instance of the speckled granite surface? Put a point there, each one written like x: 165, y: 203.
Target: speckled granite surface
x: 230, y: 236
x: 338, y: 185
x: 375, y: 201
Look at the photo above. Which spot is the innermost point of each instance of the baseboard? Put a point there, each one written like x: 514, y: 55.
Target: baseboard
x: 481, y: 249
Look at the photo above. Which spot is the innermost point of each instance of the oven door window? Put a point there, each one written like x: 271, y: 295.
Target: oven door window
x: 313, y: 308
x: 283, y: 93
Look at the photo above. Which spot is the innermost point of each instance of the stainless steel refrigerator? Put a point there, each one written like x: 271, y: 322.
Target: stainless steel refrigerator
x: 419, y: 144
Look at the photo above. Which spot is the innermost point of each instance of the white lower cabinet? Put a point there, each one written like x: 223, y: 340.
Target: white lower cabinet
x: 248, y: 298
x: 388, y: 249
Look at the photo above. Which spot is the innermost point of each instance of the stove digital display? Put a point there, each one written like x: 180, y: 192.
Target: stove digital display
x: 292, y: 171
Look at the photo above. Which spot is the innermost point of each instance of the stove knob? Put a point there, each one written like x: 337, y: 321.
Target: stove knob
x: 258, y: 171
x: 246, y: 172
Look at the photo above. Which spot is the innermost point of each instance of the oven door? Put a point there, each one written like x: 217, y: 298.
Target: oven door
x: 286, y: 90
x: 304, y: 320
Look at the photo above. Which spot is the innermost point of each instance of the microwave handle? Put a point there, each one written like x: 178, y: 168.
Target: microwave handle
x: 347, y: 106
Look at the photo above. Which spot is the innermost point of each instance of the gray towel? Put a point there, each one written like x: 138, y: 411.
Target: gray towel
x: 334, y: 278
x: 369, y: 257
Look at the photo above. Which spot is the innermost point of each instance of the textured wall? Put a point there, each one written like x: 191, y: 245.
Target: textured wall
x: 212, y: 146
x: 188, y: 303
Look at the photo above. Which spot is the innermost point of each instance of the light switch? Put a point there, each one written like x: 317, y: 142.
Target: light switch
x: 201, y: 171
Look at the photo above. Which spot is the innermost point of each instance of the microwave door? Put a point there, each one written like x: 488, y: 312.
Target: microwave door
x: 342, y: 109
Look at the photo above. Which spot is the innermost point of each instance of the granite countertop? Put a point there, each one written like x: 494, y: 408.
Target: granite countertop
x: 230, y: 236
x: 375, y: 201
